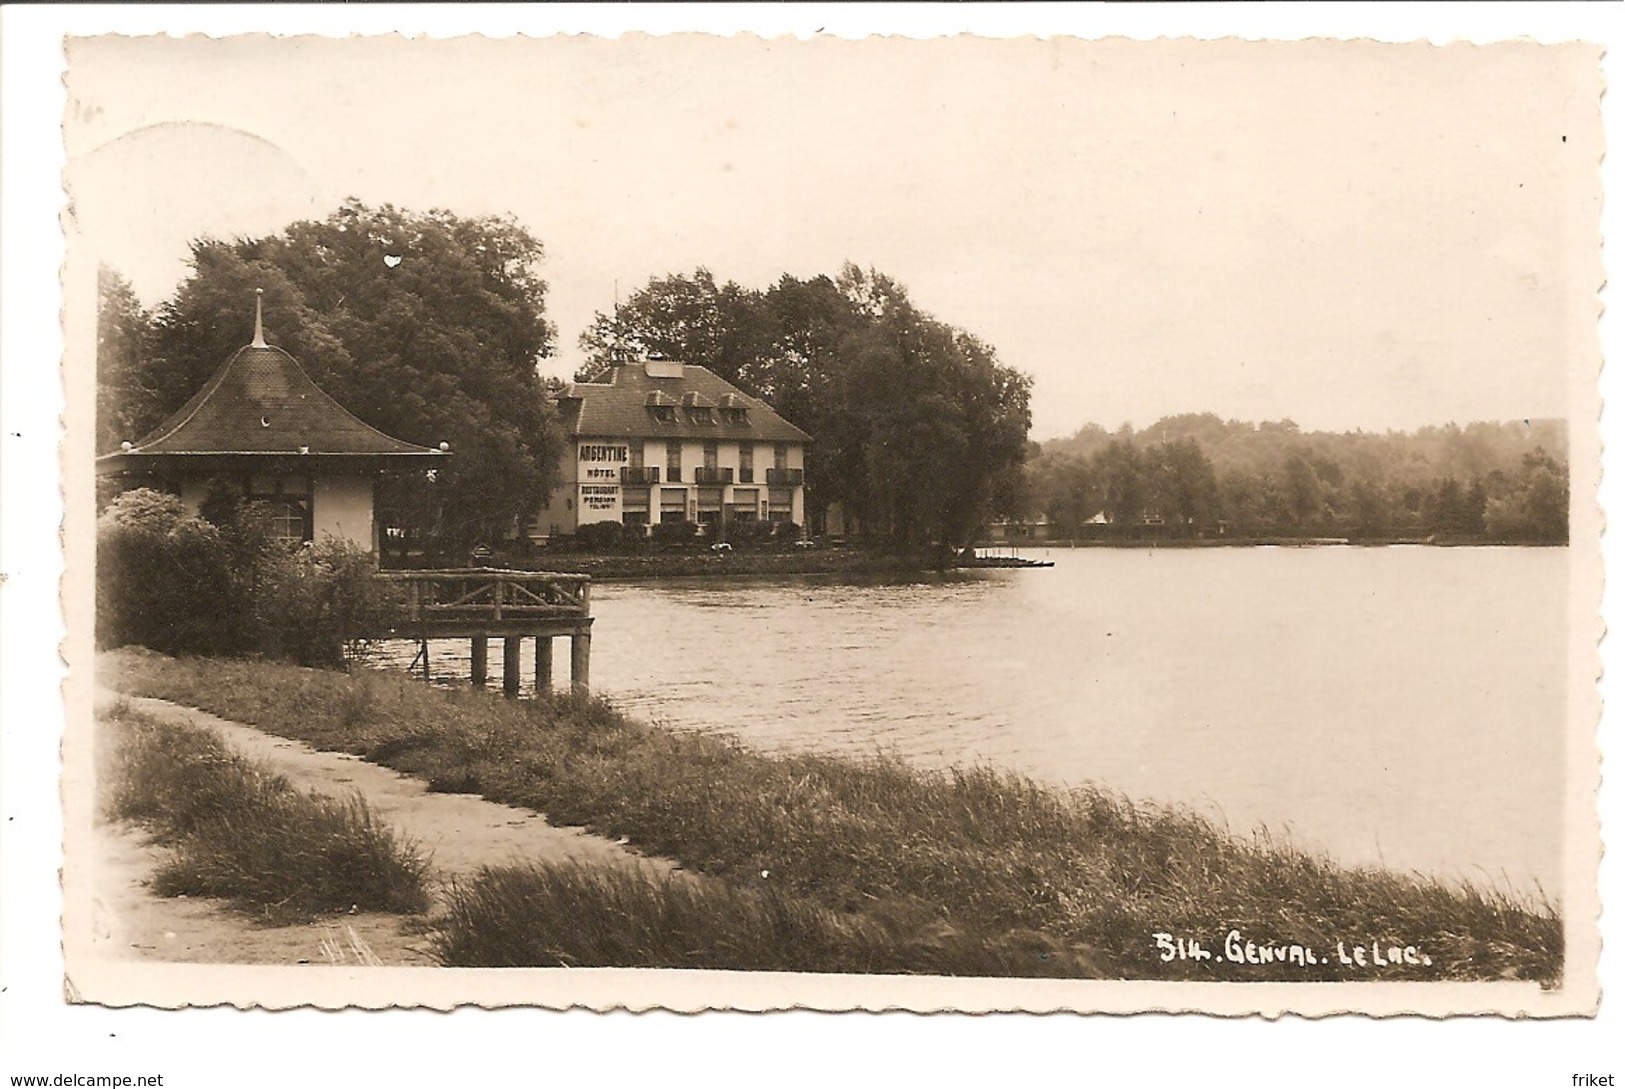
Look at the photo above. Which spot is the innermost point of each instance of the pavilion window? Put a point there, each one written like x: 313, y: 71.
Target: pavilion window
x: 286, y: 501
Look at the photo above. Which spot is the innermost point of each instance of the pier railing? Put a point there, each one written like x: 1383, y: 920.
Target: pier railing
x: 487, y: 599
x: 481, y: 603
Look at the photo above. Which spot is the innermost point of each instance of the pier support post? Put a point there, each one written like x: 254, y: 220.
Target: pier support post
x: 477, y: 646
x: 544, y: 663
x: 580, y: 653
x: 511, y: 648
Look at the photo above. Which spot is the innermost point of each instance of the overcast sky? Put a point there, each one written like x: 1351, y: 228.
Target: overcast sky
x: 1347, y: 234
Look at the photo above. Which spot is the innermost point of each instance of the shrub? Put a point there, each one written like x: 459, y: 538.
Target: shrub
x: 178, y: 583
x: 318, y: 606
x: 600, y: 536
x: 163, y: 577
x: 748, y: 533
x: 674, y: 532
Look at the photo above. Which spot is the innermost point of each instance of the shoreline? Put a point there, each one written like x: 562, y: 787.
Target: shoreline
x: 862, y: 563
x: 982, y: 851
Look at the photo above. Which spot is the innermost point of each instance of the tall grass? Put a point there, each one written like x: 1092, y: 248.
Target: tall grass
x: 238, y: 830
x: 576, y: 916
x: 985, y: 851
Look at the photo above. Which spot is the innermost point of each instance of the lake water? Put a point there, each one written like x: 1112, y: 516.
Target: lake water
x: 1396, y: 705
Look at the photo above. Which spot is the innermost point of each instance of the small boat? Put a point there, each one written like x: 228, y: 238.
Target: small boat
x: 1004, y: 561
x: 968, y: 558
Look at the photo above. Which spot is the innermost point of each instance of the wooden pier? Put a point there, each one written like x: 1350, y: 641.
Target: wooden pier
x: 483, y: 603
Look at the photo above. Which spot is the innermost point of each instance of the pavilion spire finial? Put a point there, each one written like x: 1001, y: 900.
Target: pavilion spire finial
x: 259, y: 319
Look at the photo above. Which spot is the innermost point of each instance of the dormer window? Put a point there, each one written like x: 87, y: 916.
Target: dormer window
x: 733, y: 408
x: 698, y: 408
x: 662, y: 406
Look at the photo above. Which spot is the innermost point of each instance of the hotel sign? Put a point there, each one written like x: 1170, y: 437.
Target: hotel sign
x: 600, y: 463
x: 600, y: 496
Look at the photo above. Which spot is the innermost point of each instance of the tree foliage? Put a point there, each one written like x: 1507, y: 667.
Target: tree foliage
x: 919, y: 430
x: 125, y: 398
x: 1200, y: 475
x: 427, y: 326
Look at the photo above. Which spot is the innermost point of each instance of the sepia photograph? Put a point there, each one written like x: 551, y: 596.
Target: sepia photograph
x: 707, y: 522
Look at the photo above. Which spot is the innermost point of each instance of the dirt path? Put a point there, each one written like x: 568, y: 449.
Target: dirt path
x: 459, y: 833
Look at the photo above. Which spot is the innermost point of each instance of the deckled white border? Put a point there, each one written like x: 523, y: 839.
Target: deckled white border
x: 778, y: 1047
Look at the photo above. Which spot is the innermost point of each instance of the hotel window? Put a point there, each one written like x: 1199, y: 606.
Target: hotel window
x: 674, y: 460
x: 780, y: 504
x: 747, y: 462
x: 634, y: 455
x: 710, y: 449
x: 781, y: 455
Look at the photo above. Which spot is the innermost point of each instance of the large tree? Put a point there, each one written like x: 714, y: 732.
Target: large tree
x: 915, y: 422
x: 427, y: 326
x: 689, y: 318
x: 123, y: 329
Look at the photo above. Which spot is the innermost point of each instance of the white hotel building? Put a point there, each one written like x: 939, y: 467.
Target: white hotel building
x: 661, y: 441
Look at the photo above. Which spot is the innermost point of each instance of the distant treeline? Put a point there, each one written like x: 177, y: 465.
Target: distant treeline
x: 1196, y: 475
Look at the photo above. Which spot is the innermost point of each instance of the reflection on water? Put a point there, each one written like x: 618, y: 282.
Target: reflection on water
x: 1398, y: 705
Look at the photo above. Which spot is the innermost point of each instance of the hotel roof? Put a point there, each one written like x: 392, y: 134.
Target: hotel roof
x: 674, y: 402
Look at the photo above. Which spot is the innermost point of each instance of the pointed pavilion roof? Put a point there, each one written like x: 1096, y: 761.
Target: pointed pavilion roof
x: 261, y: 401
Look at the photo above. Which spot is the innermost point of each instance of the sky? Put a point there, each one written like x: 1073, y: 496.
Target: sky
x: 1349, y: 234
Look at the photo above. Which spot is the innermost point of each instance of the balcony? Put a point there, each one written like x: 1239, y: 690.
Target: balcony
x: 784, y: 476
x: 642, y: 474
x: 713, y: 476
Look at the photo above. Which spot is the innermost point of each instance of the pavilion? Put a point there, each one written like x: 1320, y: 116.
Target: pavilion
x: 262, y: 425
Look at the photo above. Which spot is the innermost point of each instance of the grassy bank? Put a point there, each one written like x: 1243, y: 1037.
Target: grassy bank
x: 550, y: 915
x: 973, y: 850
x: 239, y: 831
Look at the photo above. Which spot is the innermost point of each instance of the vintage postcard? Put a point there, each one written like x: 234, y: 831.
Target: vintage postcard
x: 702, y: 522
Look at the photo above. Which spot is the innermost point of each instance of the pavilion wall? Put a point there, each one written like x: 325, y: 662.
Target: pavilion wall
x: 342, y: 507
